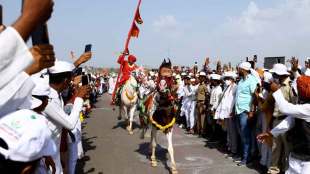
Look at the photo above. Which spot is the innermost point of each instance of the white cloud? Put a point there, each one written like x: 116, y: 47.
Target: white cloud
x: 280, y: 30
x: 168, y: 25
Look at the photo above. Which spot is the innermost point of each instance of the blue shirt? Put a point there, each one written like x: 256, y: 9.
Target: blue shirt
x: 244, y: 95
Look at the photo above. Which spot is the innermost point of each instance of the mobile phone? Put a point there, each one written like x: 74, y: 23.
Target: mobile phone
x: 89, y: 77
x: 85, y: 80
x: 88, y: 47
x: 78, y: 71
x: 40, y: 35
x: 1, y: 17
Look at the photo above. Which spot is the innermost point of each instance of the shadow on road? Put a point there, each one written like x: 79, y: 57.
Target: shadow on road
x: 161, y: 153
x: 88, y: 144
x: 123, y: 125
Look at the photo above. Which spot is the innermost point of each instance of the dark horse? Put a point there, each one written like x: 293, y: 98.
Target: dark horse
x: 162, y: 112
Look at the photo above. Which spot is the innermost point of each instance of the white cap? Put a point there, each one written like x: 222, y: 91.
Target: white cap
x: 27, y: 135
x: 191, y: 74
x: 215, y: 77
x: 178, y: 76
x: 183, y: 74
x: 307, y: 73
x: 61, y: 66
x: 42, y: 88
x: 193, y: 80
x: 279, y: 69
x: 152, y: 73
x: 245, y: 65
x: 229, y: 74
x: 267, y: 77
x: 202, y: 73
x: 35, y: 103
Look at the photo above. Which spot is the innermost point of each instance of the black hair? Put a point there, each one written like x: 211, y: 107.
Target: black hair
x: 59, y: 77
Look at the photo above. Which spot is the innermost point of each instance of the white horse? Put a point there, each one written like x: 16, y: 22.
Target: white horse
x: 129, y: 99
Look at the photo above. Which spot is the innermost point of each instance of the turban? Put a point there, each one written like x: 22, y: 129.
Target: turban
x: 132, y: 58
x: 303, y: 86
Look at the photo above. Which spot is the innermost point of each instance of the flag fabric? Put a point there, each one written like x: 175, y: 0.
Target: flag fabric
x: 138, y: 18
x: 134, y: 31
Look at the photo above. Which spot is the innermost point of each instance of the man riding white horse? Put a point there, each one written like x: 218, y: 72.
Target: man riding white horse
x: 162, y: 111
x: 126, y: 95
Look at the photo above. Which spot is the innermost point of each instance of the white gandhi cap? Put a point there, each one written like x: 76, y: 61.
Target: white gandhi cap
x: 27, y: 135
x: 245, y: 66
x: 61, y: 66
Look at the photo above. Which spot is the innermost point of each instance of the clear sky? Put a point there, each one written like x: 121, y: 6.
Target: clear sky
x: 185, y: 30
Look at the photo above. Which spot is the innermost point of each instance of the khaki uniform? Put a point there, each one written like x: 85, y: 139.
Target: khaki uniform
x: 201, y: 107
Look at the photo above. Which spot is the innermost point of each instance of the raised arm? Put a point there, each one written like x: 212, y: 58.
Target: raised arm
x: 301, y: 111
x: 58, y: 115
x: 121, y: 59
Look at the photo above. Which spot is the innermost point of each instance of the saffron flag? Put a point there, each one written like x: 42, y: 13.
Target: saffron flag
x: 138, y: 18
x: 134, y: 31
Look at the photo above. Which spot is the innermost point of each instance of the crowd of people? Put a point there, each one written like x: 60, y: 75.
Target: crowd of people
x: 254, y: 114
x: 43, y: 99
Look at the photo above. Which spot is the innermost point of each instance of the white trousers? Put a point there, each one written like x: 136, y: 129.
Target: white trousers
x: 298, y: 167
x: 190, y: 114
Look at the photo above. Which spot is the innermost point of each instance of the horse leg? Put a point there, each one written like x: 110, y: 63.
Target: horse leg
x: 120, y: 113
x: 154, y: 143
x: 131, y: 114
x: 171, y: 152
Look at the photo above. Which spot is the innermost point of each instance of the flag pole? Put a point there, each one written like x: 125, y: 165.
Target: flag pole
x: 126, y: 50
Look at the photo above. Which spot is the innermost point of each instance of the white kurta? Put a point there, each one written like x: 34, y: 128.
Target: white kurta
x: 227, y: 103
x: 15, y: 85
x: 215, y: 96
x: 58, y: 119
x: 15, y: 56
x: 294, y: 111
x: 192, y: 107
x: 112, y: 83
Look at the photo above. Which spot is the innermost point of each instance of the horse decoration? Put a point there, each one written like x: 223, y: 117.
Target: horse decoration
x: 160, y: 107
x: 146, y: 89
x: 128, y: 102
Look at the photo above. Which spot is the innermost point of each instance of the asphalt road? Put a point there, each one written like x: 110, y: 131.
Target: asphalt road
x: 109, y: 149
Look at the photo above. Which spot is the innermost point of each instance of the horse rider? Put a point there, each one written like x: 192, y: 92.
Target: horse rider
x: 127, y: 67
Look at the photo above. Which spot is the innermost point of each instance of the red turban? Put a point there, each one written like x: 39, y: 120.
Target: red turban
x: 303, y: 86
x: 132, y: 58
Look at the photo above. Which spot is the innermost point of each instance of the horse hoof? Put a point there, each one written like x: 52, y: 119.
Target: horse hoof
x: 174, y: 171
x: 128, y: 128
x: 130, y: 132
x: 154, y: 163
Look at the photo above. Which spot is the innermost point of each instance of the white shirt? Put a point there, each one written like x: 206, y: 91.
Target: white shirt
x: 15, y: 56
x: 15, y: 85
x: 227, y: 102
x: 215, y: 96
x: 194, y: 89
x: 301, y: 111
x: 112, y: 83
x: 57, y: 117
x: 16, y: 94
